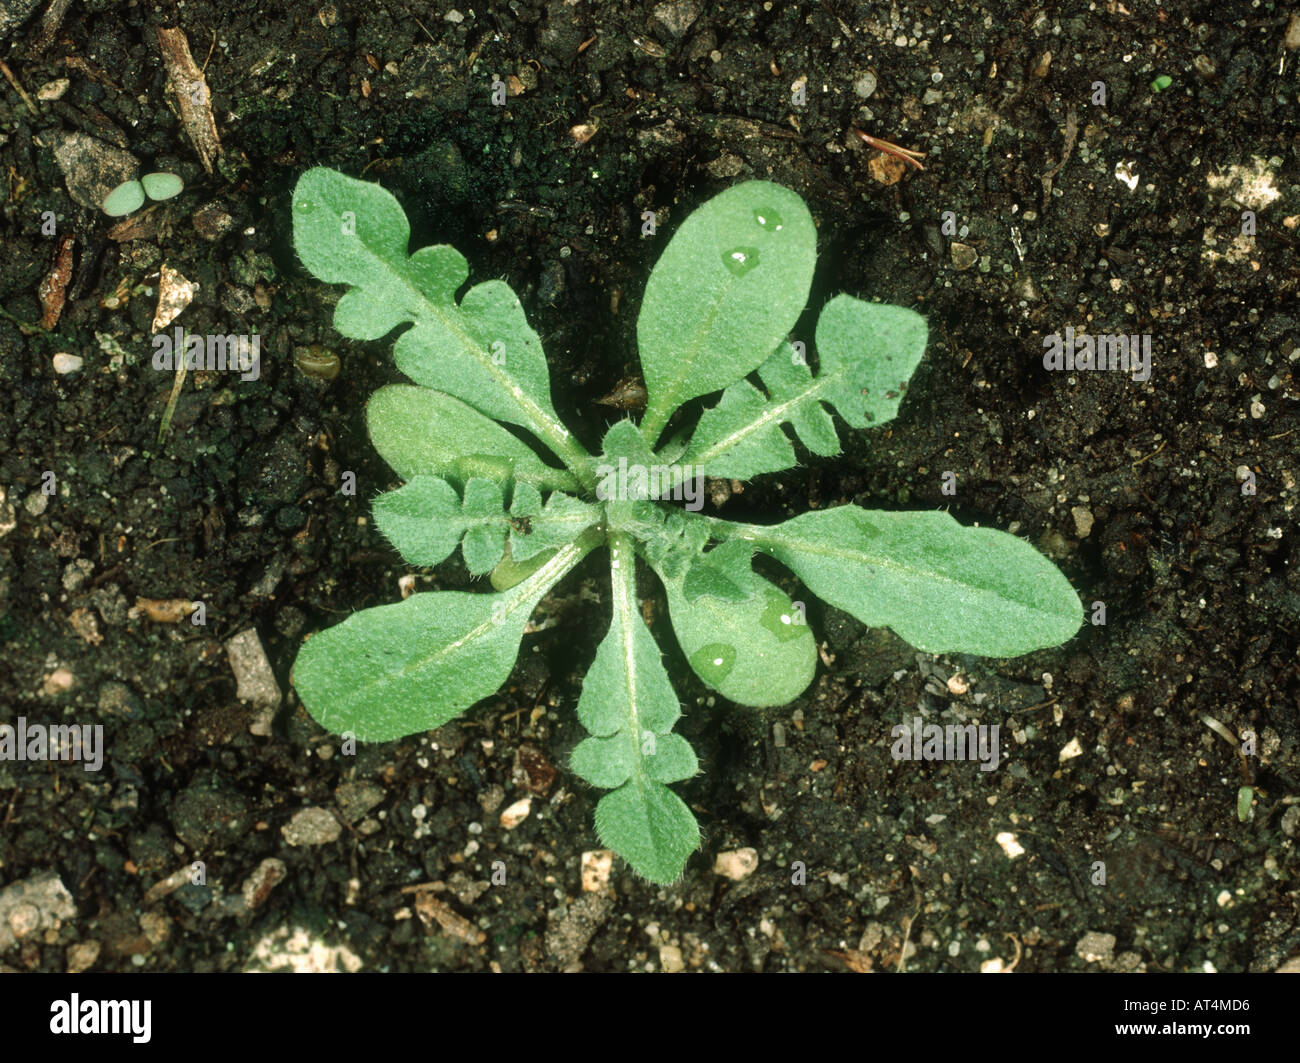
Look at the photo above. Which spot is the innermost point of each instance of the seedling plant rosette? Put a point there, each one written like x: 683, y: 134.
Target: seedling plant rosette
x: 716, y: 318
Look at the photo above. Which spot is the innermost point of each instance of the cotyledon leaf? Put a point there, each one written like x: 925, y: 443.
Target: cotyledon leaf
x: 480, y: 350
x: 940, y: 586
x: 419, y: 431
x: 395, y: 670
x: 756, y: 651
x: 727, y: 289
x: 867, y: 351
x: 629, y: 706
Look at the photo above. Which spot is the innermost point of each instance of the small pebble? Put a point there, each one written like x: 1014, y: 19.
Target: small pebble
x: 736, y: 864
x: 1083, y: 521
x: 596, y: 867
x: 68, y: 363
x: 516, y: 813
x: 312, y: 826
x: 1072, y: 749
x: 1095, y: 947
x: 963, y: 256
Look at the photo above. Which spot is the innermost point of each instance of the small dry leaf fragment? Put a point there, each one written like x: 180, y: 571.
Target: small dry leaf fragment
x: 265, y: 877
x: 174, y: 295
x: 169, y: 885
x: 143, y: 225
x: 431, y: 910
x: 648, y: 46
x: 582, y: 132
x: 886, y: 169
x: 532, y: 770
x: 628, y: 394
x: 855, y: 961
x: 192, y: 93
x: 53, y: 288
x: 164, y: 610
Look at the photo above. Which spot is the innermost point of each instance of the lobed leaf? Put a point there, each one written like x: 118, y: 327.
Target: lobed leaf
x: 425, y: 519
x: 535, y: 528
x: 396, y: 670
x: 629, y: 706
x: 728, y: 288
x: 480, y: 350
x: 940, y: 586
x: 868, y: 352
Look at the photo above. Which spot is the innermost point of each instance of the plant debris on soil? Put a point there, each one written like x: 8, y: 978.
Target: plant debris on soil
x: 169, y: 535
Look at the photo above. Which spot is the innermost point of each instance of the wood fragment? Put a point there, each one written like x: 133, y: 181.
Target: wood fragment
x: 9, y: 76
x: 1071, y: 132
x: 186, y: 80
x: 142, y: 225
x: 53, y: 289
x: 431, y: 910
x: 50, y: 23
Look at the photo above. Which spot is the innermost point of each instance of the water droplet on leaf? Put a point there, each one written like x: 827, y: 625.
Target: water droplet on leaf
x: 740, y: 260
x: 713, y: 662
x: 779, y: 618
x: 768, y: 219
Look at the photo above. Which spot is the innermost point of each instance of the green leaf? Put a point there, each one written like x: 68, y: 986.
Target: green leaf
x: 424, y: 520
x: 421, y: 520
x: 758, y: 651
x: 396, y: 670
x: 725, y: 572
x: 727, y: 289
x: 162, y: 185
x: 651, y: 828
x: 536, y: 528
x: 481, y: 351
x: 629, y: 707
x: 940, y: 586
x: 125, y: 198
x: 868, y: 352
x: 419, y: 431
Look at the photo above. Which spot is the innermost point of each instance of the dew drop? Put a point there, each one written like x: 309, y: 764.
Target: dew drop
x: 768, y: 219
x: 713, y: 662
x: 778, y: 618
x: 740, y: 260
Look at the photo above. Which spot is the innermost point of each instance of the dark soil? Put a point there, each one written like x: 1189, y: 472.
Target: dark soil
x: 1139, y: 491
